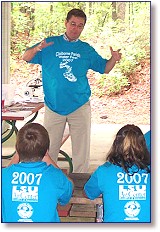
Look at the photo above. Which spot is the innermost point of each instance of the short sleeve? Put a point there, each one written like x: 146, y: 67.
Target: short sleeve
x: 91, y: 187
x: 66, y: 189
x: 97, y: 62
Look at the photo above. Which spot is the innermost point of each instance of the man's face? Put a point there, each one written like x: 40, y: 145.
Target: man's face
x: 74, y: 27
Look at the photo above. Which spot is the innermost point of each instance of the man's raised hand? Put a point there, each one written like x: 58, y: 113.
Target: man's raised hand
x: 43, y: 44
x: 116, y: 54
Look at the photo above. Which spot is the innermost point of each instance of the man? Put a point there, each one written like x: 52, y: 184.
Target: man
x: 65, y: 60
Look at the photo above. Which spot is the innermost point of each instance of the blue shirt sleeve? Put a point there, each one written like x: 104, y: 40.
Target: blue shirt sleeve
x: 91, y: 187
x: 37, y: 59
x: 147, y: 137
x: 97, y: 62
x: 67, y: 189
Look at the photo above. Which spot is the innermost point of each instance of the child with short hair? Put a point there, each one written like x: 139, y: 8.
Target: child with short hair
x: 33, y: 185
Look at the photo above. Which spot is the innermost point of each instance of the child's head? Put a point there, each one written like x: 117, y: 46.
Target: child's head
x: 129, y: 148
x: 32, y: 142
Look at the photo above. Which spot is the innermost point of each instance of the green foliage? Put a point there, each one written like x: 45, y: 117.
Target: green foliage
x: 110, y: 84
x: 33, y: 21
x: 117, y: 81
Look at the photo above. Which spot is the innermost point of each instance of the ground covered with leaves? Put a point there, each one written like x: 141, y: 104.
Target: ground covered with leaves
x: 132, y: 105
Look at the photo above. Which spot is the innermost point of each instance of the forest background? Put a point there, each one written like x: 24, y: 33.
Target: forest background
x: 122, y: 95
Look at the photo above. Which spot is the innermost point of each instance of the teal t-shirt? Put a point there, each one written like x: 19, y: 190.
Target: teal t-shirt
x: 64, y: 73
x: 31, y: 192
x: 126, y: 198
x: 147, y: 137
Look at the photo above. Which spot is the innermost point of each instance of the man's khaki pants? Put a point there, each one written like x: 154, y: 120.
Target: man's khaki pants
x: 79, y: 123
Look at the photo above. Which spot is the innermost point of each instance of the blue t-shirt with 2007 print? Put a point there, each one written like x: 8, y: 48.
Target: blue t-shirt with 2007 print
x: 31, y: 192
x: 64, y: 73
x: 126, y: 198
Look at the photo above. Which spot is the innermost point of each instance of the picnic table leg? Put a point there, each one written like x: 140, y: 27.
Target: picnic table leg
x: 33, y: 118
x: 67, y: 159
x: 14, y: 129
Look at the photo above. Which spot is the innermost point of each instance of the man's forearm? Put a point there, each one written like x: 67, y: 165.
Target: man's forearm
x: 30, y: 53
x: 110, y: 65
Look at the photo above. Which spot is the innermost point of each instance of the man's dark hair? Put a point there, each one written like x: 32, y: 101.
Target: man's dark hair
x: 32, y: 142
x: 76, y: 13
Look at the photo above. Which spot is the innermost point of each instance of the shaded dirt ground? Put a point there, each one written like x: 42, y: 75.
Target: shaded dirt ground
x: 131, y: 106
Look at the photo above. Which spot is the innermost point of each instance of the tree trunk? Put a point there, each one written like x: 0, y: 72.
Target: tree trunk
x: 118, y: 10
x: 121, y: 6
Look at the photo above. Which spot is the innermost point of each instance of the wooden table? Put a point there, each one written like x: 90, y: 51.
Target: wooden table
x: 80, y: 208
x: 19, y: 111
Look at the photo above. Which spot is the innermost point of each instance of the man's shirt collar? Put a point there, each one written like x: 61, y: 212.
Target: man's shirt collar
x: 66, y: 38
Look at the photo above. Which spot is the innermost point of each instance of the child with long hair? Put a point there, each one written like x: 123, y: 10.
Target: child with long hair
x: 124, y: 180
